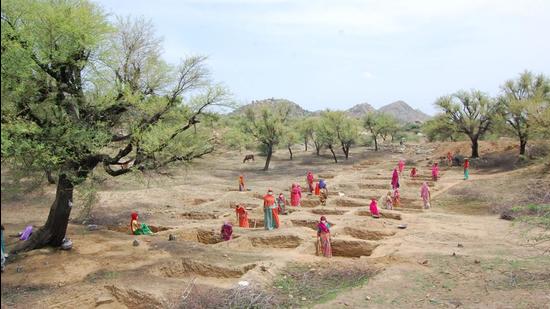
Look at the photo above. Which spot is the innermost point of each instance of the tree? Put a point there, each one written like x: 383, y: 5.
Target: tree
x: 327, y: 135
x: 472, y: 112
x: 520, y: 97
x: 440, y: 128
x: 315, y: 124
x: 306, y: 128
x: 344, y: 128
x: 267, y: 126
x: 379, y: 125
x: 290, y: 138
x: 71, y: 101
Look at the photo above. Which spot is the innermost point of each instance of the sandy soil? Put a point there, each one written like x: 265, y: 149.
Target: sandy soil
x: 444, y: 258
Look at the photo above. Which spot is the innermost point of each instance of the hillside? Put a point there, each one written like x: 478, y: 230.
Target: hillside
x: 295, y: 109
x: 360, y: 110
x: 403, y: 112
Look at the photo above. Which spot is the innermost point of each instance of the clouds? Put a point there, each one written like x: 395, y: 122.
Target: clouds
x: 321, y: 53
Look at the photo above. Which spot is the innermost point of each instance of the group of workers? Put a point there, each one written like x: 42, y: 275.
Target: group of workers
x: 273, y: 205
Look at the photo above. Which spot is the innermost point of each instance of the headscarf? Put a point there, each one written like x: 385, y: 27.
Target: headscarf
x: 134, y: 217
x: 310, y: 177
x: 466, y: 163
x: 413, y: 171
x: 401, y: 164
x: 281, y: 198
x: 424, y: 190
x: 435, y: 169
x: 374, y: 207
x: 322, y: 184
x: 395, y: 178
x: 241, y: 180
x: 227, y: 230
x: 322, y: 226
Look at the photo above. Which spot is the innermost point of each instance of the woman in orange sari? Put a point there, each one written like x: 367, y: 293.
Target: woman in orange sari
x: 242, y: 216
x: 241, y: 183
x: 271, y: 211
x: 323, y: 238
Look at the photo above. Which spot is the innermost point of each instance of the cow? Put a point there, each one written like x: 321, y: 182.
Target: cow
x: 248, y: 157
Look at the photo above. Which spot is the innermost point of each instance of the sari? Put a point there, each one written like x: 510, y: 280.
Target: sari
x: 241, y: 183
x: 323, y: 240
x: 425, y: 194
x: 295, y: 195
x: 138, y: 229
x: 389, y: 201
x: 242, y: 216
x: 435, y: 172
x: 281, y: 203
x: 401, y: 165
x: 227, y: 231
x: 413, y: 172
x: 466, y: 169
x: 309, y: 179
x: 269, y: 220
x: 396, y: 198
x: 395, y: 179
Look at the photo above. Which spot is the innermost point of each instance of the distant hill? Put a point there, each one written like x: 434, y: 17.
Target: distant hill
x: 360, y: 110
x: 295, y: 109
x: 403, y: 112
x: 399, y: 109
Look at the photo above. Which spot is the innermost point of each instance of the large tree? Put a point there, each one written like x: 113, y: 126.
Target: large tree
x: 519, y: 99
x: 473, y: 113
x: 379, y: 125
x: 78, y: 93
x: 267, y: 126
x: 440, y: 128
x: 341, y: 126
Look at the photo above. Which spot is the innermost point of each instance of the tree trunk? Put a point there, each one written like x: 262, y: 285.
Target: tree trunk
x: 290, y: 151
x: 345, y: 149
x: 475, y: 153
x: 49, y: 176
x: 53, y: 232
x: 333, y: 154
x: 317, y: 148
x: 522, y: 145
x: 268, y: 159
x: 305, y: 142
x: 375, y: 143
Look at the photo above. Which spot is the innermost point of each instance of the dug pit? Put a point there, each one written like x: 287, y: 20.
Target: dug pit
x: 185, y: 267
x: 368, y: 234
x: 276, y: 241
x: 352, y: 248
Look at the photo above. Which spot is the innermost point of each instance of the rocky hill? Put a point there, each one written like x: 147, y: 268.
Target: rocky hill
x: 399, y: 109
x: 295, y: 109
x: 404, y: 112
x: 360, y: 110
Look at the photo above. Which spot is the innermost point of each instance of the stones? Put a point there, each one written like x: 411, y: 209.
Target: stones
x: 93, y: 227
x: 171, y: 237
x: 19, y: 269
x: 135, y: 243
x: 460, y: 245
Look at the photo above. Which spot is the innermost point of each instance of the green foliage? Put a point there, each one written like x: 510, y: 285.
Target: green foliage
x: 440, y: 128
x: 380, y: 125
x: 523, y: 102
x: 78, y: 91
x: 472, y: 113
x: 338, y: 128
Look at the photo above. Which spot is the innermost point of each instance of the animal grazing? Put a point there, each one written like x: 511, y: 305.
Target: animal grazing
x: 248, y: 157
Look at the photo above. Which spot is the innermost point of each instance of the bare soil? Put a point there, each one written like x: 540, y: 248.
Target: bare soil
x: 456, y: 254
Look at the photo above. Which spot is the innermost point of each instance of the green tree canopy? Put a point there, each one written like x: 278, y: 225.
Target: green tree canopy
x: 78, y: 92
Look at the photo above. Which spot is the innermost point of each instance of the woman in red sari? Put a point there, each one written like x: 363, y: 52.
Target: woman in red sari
x: 401, y: 165
x: 227, y: 231
x: 466, y: 169
x: 323, y: 238
x: 374, y: 208
x: 435, y: 171
x: 295, y: 195
x: 242, y: 216
x: 395, y: 179
x: 414, y: 172
x: 309, y: 179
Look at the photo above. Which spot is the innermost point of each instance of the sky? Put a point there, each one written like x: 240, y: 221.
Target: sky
x: 336, y: 54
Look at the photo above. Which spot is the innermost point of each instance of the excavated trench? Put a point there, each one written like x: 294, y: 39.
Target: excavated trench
x: 383, y: 214
x: 367, y: 234
x: 133, y: 298
x: 312, y: 224
x: 310, y: 203
x: 199, y: 215
x: 326, y: 212
x: 350, y: 203
x: 185, y: 267
x: 126, y: 228
x: 352, y: 248
x: 276, y: 241
x: 375, y: 186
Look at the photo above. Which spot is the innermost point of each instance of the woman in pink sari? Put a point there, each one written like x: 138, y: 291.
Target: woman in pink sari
x: 309, y: 179
x: 374, y: 208
x: 295, y: 195
x: 401, y: 165
x: 425, y: 195
x: 395, y: 179
x: 227, y: 231
x: 323, y: 238
x: 435, y: 171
